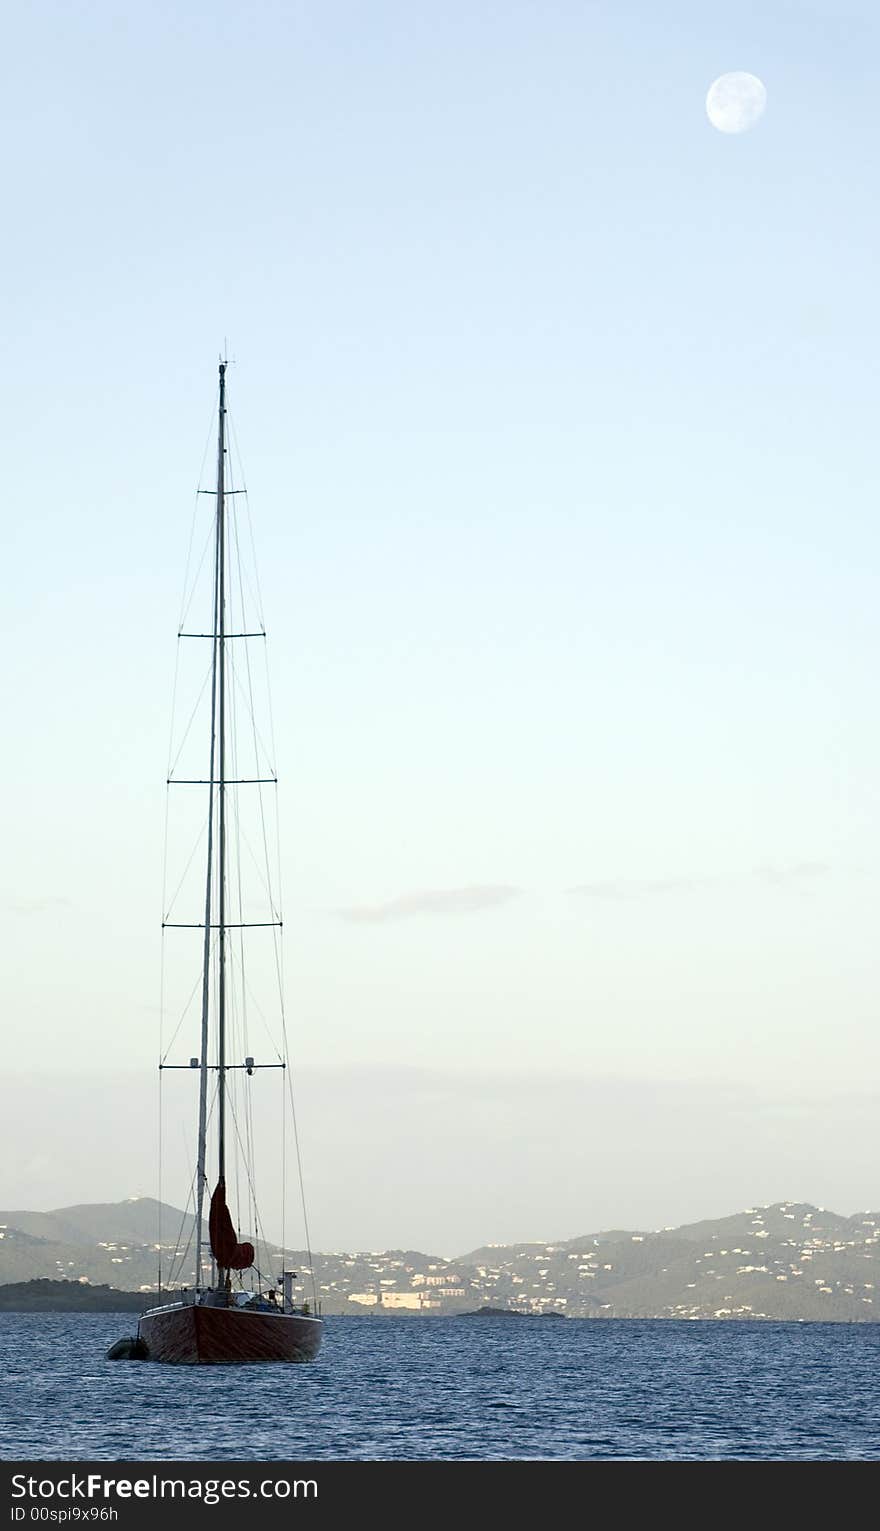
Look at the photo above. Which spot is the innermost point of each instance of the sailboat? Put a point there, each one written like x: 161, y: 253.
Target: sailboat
x: 217, y: 1321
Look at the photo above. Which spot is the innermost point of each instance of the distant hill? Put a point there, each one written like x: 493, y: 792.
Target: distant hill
x: 109, y: 1243
x: 114, y: 1244
x: 135, y: 1221
x: 785, y: 1261
x: 67, y: 1297
x: 775, y: 1221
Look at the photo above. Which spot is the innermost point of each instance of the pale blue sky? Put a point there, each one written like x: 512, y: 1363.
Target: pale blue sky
x: 558, y: 410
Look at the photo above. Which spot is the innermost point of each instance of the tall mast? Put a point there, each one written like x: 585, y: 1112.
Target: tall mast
x: 221, y: 777
x: 217, y: 675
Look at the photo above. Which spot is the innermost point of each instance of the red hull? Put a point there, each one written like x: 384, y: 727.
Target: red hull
x: 194, y: 1335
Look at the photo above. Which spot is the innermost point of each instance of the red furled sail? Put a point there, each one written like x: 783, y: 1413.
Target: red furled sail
x: 227, y: 1251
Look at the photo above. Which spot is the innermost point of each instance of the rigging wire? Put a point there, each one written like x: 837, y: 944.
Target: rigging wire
x: 181, y: 1255
x: 192, y: 855
x: 236, y: 942
x: 273, y: 1042
x: 277, y: 942
x: 247, y: 1170
x: 299, y: 1169
x: 159, y: 1178
x: 209, y: 537
x: 186, y: 601
x: 256, y: 597
x: 247, y: 699
x: 241, y: 994
x: 184, y: 606
x: 204, y: 686
x: 283, y: 1178
x: 277, y: 939
x: 257, y: 742
x: 275, y: 911
x: 248, y: 1094
x: 183, y: 1014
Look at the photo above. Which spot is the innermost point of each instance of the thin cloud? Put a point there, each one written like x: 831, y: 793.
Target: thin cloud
x: 35, y: 905
x: 785, y: 874
x: 433, y: 901
x: 793, y: 872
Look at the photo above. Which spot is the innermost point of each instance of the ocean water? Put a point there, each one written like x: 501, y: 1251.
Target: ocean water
x: 452, y: 1388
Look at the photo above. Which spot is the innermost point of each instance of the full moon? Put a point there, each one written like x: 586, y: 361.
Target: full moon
x: 735, y: 102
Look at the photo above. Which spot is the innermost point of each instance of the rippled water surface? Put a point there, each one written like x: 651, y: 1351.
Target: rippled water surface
x: 488, y: 1388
